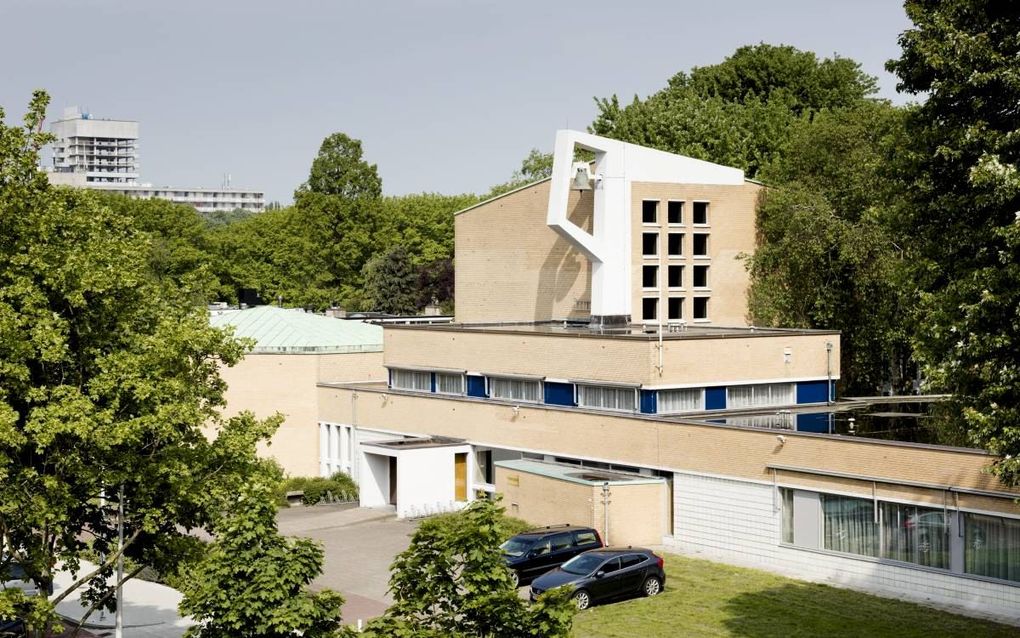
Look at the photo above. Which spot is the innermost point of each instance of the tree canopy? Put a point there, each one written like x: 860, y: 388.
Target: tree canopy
x: 452, y: 582
x: 109, y: 373
x: 961, y: 222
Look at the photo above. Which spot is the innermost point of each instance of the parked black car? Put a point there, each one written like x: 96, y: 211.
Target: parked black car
x: 536, y: 551
x: 602, y: 574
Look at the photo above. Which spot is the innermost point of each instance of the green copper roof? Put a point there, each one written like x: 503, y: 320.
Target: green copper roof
x: 295, y: 331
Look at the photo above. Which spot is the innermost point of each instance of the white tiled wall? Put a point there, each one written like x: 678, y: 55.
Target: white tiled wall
x: 735, y: 522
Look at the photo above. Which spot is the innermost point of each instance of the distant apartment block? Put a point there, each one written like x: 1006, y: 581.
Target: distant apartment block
x: 95, y: 151
x: 102, y: 154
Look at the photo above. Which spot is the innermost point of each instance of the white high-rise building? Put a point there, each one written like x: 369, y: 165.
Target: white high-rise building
x: 102, y: 154
x: 97, y: 151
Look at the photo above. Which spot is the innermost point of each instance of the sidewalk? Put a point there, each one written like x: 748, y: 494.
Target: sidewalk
x: 150, y: 609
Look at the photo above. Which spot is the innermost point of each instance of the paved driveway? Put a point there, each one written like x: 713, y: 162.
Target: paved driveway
x: 360, y: 544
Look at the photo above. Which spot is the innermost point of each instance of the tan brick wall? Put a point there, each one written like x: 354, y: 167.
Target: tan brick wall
x: 269, y: 383
x: 731, y: 232
x: 685, y: 361
x: 510, y: 266
x: 732, y: 452
x: 541, y: 500
x: 638, y: 514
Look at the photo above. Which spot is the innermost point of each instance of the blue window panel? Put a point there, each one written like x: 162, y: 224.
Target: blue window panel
x: 832, y: 393
x: 475, y: 386
x: 649, y: 401
x: 817, y: 422
x: 559, y: 393
x: 389, y: 378
x: 715, y: 398
x: 812, y: 392
x: 432, y: 381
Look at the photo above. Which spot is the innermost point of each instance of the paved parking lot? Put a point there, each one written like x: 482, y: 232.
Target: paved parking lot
x: 360, y: 544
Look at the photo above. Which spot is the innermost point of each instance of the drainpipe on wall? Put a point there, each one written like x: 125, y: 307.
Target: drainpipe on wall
x: 605, y: 511
x: 828, y: 372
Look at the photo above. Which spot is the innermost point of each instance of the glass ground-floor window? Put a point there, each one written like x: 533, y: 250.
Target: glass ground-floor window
x: 992, y: 546
x: 915, y: 534
x: 849, y: 525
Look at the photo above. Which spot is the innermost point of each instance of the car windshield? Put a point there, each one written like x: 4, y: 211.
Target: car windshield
x: 583, y: 564
x: 516, y: 546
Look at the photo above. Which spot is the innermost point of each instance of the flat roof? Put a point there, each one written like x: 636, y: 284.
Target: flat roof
x: 576, y: 473
x: 417, y: 443
x: 294, y: 331
x: 640, y: 332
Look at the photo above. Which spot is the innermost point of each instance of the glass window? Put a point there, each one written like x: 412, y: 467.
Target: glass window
x: 675, y: 212
x: 449, y: 383
x: 584, y: 538
x: 594, y: 396
x: 611, y: 566
x: 562, y: 541
x: 759, y: 395
x: 515, y: 389
x: 992, y: 546
x: 649, y: 212
x: 649, y: 244
x: 631, y: 560
x: 849, y: 525
x: 679, y: 400
x: 411, y: 380
x: 915, y: 535
x: 787, y: 495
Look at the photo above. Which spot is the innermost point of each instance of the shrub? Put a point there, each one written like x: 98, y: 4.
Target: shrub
x: 340, y: 487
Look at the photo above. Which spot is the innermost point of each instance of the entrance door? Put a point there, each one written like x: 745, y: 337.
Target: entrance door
x: 393, y: 480
x: 460, y: 476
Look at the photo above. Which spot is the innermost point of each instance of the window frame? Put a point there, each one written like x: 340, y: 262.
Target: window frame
x: 708, y: 211
x: 655, y: 211
x: 682, y: 205
x: 489, y: 378
x: 410, y: 371
x: 635, y: 399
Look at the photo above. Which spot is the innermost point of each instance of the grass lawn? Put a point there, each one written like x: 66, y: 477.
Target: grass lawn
x: 710, y: 599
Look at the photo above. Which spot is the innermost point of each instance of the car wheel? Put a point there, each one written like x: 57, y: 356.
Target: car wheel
x: 651, y: 587
x: 515, y: 578
x: 582, y: 599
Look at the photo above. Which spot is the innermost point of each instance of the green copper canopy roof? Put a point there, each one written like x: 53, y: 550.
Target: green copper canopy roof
x: 295, y: 331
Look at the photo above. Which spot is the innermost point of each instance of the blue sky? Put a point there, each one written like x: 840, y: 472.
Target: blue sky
x: 446, y: 95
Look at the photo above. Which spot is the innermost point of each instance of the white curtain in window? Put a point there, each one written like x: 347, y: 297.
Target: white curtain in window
x: 412, y: 380
x: 915, y: 535
x: 449, y: 383
x: 681, y: 400
x: 849, y: 525
x: 992, y: 546
x: 515, y: 389
x: 760, y: 395
x: 609, y: 398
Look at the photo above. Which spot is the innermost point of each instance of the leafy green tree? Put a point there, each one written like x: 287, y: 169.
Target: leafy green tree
x: 961, y: 221
x: 827, y: 256
x: 452, y: 582
x: 178, y: 237
x: 253, y: 583
x: 737, y: 112
x: 422, y: 223
x: 339, y: 169
x: 536, y: 166
x: 391, y: 283
x: 108, y: 377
